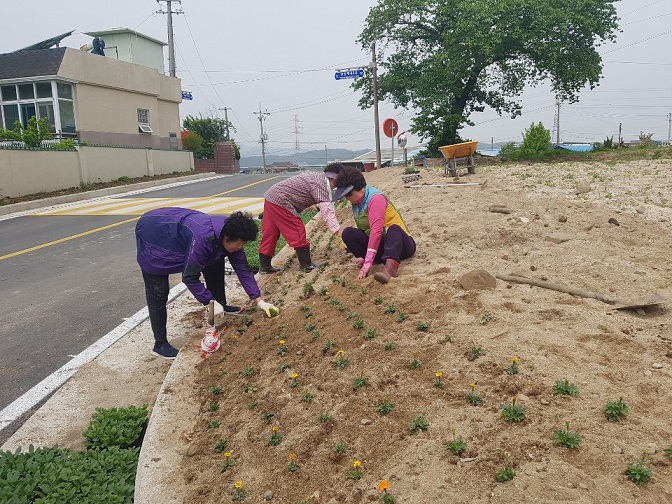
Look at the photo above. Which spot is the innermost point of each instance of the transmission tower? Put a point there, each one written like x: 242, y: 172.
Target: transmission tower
x: 264, y: 137
x: 556, y: 121
x: 171, y: 41
x: 297, y: 145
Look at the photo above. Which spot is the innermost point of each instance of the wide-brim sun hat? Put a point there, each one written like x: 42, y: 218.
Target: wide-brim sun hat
x: 341, y: 192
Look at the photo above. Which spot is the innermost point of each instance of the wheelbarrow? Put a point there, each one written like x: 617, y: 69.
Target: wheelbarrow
x: 458, y: 151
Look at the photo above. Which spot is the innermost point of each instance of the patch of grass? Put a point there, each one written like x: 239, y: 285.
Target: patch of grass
x: 615, y: 410
x: 418, y: 424
x: 564, y: 387
x: 385, y: 407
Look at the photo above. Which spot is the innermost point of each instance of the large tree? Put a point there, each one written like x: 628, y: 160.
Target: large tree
x: 447, y: 59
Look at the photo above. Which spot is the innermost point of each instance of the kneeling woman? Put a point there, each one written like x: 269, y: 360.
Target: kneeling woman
x: 381, y: 235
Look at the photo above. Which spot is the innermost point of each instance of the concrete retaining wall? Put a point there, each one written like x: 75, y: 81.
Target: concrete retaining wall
x: 32, y: 171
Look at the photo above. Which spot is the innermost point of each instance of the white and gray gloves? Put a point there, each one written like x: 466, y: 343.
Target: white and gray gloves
x: 268, y: 308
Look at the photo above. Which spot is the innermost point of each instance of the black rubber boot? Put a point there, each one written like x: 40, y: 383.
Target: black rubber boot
x: 305, y: 264
x: 265, y: 264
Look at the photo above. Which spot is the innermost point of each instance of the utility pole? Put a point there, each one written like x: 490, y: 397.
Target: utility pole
x: 620, y: 138
x: 374, y: 70
x: 264, y: 136
x: 557, y: 120
x: 326, y: 160
x: 297, y: 145
x: 226, y: 118
x: 171, y: 41
x: 669, y: 128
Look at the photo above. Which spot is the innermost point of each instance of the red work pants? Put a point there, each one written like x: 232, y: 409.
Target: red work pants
x: 277, y: 221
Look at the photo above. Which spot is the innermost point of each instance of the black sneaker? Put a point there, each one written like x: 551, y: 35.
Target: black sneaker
x: 232, y: 310
x: 165, y: 350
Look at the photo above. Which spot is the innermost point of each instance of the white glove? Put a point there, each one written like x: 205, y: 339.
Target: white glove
x: 268, y: 308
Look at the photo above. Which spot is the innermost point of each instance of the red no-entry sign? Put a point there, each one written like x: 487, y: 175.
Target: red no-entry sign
x: 390, y: 127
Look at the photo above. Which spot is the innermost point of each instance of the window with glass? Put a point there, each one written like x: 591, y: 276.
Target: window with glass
x: 143, y: 116
x: 48, y: 100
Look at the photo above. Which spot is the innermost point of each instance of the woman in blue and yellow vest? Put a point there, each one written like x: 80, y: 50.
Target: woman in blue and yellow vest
x: 381, y: 235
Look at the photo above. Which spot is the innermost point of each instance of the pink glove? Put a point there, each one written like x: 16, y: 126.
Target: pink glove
x: 360, y: 261
x: 368, y: 262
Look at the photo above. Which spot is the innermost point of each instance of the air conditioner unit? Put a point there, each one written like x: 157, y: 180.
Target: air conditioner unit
x: 145, y: 128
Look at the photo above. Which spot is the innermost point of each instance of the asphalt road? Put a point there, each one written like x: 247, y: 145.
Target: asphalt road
x: 67, y: 280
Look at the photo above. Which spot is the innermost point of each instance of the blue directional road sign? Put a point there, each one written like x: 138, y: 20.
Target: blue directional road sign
x: 186, y: 95
x: 349, y: 74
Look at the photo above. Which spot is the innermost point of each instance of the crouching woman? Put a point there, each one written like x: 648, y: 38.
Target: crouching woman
x: 381, y: 235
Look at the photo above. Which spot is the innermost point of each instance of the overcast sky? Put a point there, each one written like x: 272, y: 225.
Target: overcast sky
x: 283, y: 54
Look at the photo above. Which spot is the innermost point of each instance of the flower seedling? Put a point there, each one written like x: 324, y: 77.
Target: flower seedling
x: 472, y: 397
x: 378, y: 300
x: 276, y: 436
x: 214, y: 424
x: 486, y: 317
x: 364, y: 291
x: 639, y: 473
x: 328, y: 345
x: 309, y: 314
x: 282, y: 348
x: 351, y: 315
x: 387, y: 498
x: 369, y: 333
x: 283, y: 366
x: 324, y: 291
x: 339, y: 448
x: 341, y: 360
x: 457, y: 446
x: 292, y: 466
x: 324, y: 418
x: 447, y: 339
x: 308, y: 397
x: 513, y: 368
x: 309, y: 327
x: 615, y: 410
x: 389, y: 346
x: 437, y: 379
x: 474, y: 352
x: 308, y: 289
x: 566, y: 438
x: 414, y: 363
x: 221, y: 445
x: 385, y: 407
x: 213, y: 406
x: 423, y: 326
x: 360, y: 381
x: 563, y: 387
x: 418, y: 424
x: 401, y: 316
x: 506, y: 473
x: 513, y: 412
x: 267, y: 416
x: 248, y: 371
x: 391, y: 309
x: 314, y: 335
x: 668, y: 452
x: 293, y: 380
x: 356, y: 473
x: 238, y: 494
x: 215, y: 390
x: 358, y: 324
x: 228, y: 462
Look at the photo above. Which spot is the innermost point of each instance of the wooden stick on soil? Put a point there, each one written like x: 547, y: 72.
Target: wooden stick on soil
x: 574, y: 291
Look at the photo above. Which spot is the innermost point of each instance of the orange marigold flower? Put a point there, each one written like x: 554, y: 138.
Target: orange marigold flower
x: 383, y: 485
x: 292, y: 456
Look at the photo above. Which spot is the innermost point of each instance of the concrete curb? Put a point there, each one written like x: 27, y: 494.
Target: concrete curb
x: 69, y: 198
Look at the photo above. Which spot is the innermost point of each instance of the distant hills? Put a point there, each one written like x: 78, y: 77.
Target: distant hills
x: 316, y: 157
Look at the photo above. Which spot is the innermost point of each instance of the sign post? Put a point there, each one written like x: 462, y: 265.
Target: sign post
x: 349, y: 73
x: 390, y: 127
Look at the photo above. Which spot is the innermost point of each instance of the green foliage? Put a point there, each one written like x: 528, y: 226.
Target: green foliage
x: 385, y: 407
x: 449, y: 59
x: 54, y: 475
x: 513, y: 413
x: 32, y: 135
x: 474, y: 352
x: 339, y: 448
x: 563, y: 387
x: 474, y: 399
x: 506, y: 473
x: 536, y: 145
x: 360, y: 381
x: 119, y: 427
x: 221, y: 445
x: 615, y: 410
x: 639, y: 473
x: 192, y: 141
x: 457, y: 446
x: 65, y: 144
x: 418, y: 423
x: 565, y: 437
x: 211, y: 130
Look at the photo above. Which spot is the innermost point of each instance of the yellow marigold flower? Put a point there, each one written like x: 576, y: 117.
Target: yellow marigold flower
x: 294, y: 375
x: 238, y: 484
x: 356, y: 464
x: 227, y: 454
x: 515, y: 360
x: 472, y: 385
x: 383, y: 485
x: 282, y: 342
x: 438, y: 374
x: 274, y: 428
x: 292, y: 456
x: 327, y: 293
x: 340, y: 352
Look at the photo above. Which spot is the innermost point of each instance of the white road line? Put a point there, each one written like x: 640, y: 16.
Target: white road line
x: 52, y: 382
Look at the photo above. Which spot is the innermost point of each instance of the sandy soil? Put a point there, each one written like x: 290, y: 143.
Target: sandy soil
x: 613, y: 239
x: 526, y: 220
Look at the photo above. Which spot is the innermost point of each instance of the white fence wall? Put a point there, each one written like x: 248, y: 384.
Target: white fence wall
x: 33, y: 171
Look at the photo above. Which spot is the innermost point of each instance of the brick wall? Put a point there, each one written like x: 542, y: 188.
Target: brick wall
x: 225, y: 161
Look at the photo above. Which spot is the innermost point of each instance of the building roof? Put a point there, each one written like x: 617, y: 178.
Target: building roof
x: 33, y: 63
x: 46, y: 44
x: 122, y: 31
